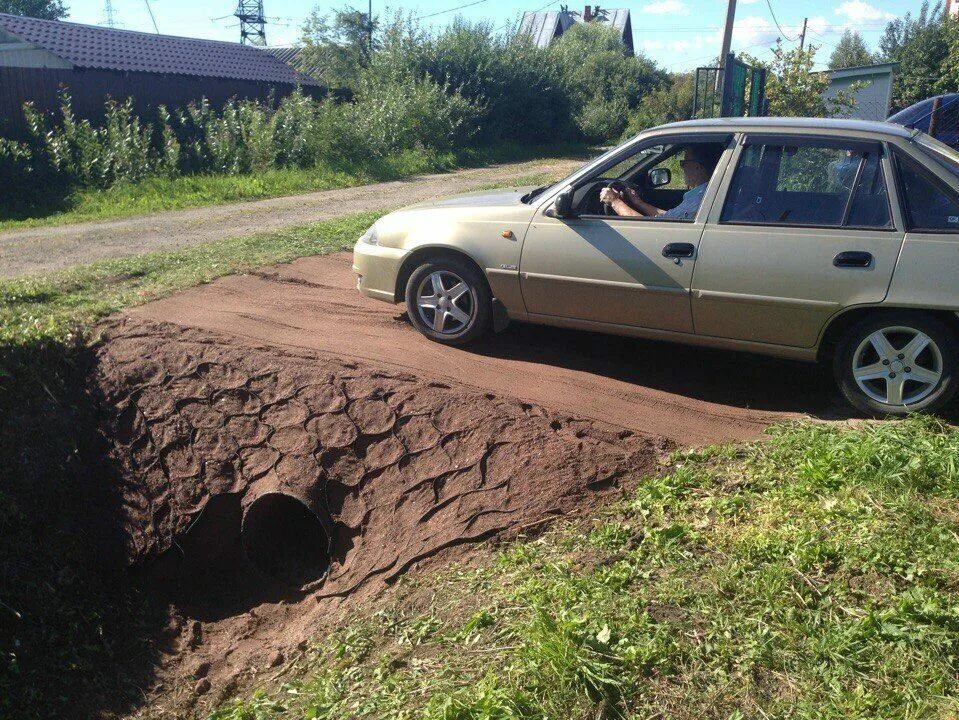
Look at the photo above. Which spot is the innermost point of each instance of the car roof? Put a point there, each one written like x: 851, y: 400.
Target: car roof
x: 829, y: 125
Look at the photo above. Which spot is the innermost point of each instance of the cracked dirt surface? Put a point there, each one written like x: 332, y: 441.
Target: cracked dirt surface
x: 404, y: 471
x: 42, y: 249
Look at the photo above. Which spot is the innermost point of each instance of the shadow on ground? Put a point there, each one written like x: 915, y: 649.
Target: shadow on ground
x: 724, y: 377
x: 77, y: 637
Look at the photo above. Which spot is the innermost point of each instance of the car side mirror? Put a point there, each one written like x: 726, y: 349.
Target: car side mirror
x: 563, y: 204
x: 660, y: 176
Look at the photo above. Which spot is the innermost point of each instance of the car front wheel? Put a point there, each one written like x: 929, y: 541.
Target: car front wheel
x: 897, y: 363
x: 449, y: 301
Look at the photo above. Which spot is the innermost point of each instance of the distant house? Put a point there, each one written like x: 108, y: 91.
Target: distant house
x: 39, y: 58
x: 869, y: 85
x: 544, y: 27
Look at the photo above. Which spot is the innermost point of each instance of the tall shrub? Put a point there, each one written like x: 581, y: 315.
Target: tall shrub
x: 605, y: 84
x: 117, y: 151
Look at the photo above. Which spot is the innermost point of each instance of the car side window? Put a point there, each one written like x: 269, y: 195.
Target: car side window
x: 929, y: 205
x: 808, y: 184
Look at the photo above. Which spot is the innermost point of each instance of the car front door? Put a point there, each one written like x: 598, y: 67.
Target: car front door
x: 805, y: 229
x: 613, y: 270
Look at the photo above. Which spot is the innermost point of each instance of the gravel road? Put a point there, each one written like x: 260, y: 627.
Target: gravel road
x: 37, y: 250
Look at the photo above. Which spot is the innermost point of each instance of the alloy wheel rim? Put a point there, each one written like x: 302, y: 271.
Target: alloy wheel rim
x: 445, y: 302
x: 897, y: 366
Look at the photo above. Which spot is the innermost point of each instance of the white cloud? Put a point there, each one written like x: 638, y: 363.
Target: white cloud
x: 666, y: 7
x: 857, y: 11
x: 754, y: 30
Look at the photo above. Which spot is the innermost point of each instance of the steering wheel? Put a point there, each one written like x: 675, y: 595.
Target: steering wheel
x: 620, y: 187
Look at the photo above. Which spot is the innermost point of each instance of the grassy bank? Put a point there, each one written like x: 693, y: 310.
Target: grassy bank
x: 156, y: 194
x: 58, y: 306
x: 814, y: 575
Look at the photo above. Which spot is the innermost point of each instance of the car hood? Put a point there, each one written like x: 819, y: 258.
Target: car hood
x: 479, y: 198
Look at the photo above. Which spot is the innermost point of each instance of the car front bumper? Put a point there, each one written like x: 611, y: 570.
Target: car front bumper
x: 376, y: 268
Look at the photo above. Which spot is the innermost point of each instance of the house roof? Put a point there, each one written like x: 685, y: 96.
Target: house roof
x: 864, y: 70
x: 542, y: 27
x: 90, y: 46
x: 293, y: 56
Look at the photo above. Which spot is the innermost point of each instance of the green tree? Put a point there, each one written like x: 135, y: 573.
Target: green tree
x: 794, y: 90
x: 949, y: 81
x: 605, y: 83
x: 671, y: 102
x: 338, y: 47
x: 921, y: 46
x: 851, y: 51
x: 47, y: 9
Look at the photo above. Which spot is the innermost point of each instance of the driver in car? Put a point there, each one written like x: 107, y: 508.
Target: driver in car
x: 698, y: 164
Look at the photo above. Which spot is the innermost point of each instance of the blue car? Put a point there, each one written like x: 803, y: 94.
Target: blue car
x: 944, y: 121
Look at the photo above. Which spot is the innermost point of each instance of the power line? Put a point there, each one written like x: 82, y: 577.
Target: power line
x: 777, y: 23
x: 152, y: 18
x: 453, y: 9
x: 510, y: 23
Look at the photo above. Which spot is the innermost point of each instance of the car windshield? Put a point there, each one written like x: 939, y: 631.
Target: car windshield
x: 530, y: 196
x: 944, y: 155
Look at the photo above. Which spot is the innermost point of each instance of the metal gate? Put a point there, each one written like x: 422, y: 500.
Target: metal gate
x: 736, y: 90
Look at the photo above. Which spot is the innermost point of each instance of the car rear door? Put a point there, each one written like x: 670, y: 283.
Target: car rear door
x: 805, y: 229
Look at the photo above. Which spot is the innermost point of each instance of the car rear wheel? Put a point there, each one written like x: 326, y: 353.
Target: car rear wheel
x: 449, y: 301
x: 897, y: 363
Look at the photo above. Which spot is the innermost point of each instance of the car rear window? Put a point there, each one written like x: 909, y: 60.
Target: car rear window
x: 930, y: 206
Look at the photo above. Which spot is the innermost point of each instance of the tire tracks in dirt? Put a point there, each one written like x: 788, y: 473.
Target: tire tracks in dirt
x: 693, y: 396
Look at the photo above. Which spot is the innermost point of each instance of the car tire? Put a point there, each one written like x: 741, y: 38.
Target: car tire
x: 880, y: 372
x: 456, y: 313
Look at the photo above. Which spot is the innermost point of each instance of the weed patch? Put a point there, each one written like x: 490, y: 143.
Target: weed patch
x: 812, y: 575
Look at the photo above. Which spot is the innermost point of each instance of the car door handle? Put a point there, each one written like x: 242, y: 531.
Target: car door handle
x: 679, y: 250
x: 852, y: 259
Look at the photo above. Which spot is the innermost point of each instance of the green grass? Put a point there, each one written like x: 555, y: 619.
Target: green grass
x: 812, y: 575
x: 158, y: 194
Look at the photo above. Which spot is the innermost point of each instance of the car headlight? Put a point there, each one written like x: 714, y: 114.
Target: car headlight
x: 370, y: 237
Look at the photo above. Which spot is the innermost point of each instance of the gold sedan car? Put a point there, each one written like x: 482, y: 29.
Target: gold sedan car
x: 818, y: 240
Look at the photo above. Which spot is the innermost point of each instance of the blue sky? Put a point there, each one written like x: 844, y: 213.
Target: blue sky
x: 678, y: 34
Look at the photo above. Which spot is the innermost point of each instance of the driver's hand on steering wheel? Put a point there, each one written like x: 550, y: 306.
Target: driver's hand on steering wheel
x: 632, y: 194
x: 608, y: 195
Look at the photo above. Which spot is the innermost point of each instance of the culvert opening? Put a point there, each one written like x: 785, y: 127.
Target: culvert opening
x: 286, y: 540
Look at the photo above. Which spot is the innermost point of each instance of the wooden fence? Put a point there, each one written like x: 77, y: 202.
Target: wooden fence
x: 90, y: 88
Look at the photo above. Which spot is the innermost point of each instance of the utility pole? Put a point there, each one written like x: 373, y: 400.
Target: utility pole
x: 728, y: 32
x: 802, y: 38
x: 252, y: 22
x: 111, y: 17
x: 369, y: 25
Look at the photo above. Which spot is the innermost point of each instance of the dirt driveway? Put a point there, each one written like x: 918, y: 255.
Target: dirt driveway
x: 36, y: 250
x: 693, y: 396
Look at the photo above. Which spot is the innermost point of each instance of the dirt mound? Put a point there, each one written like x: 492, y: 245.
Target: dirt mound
x: 320, y: 477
